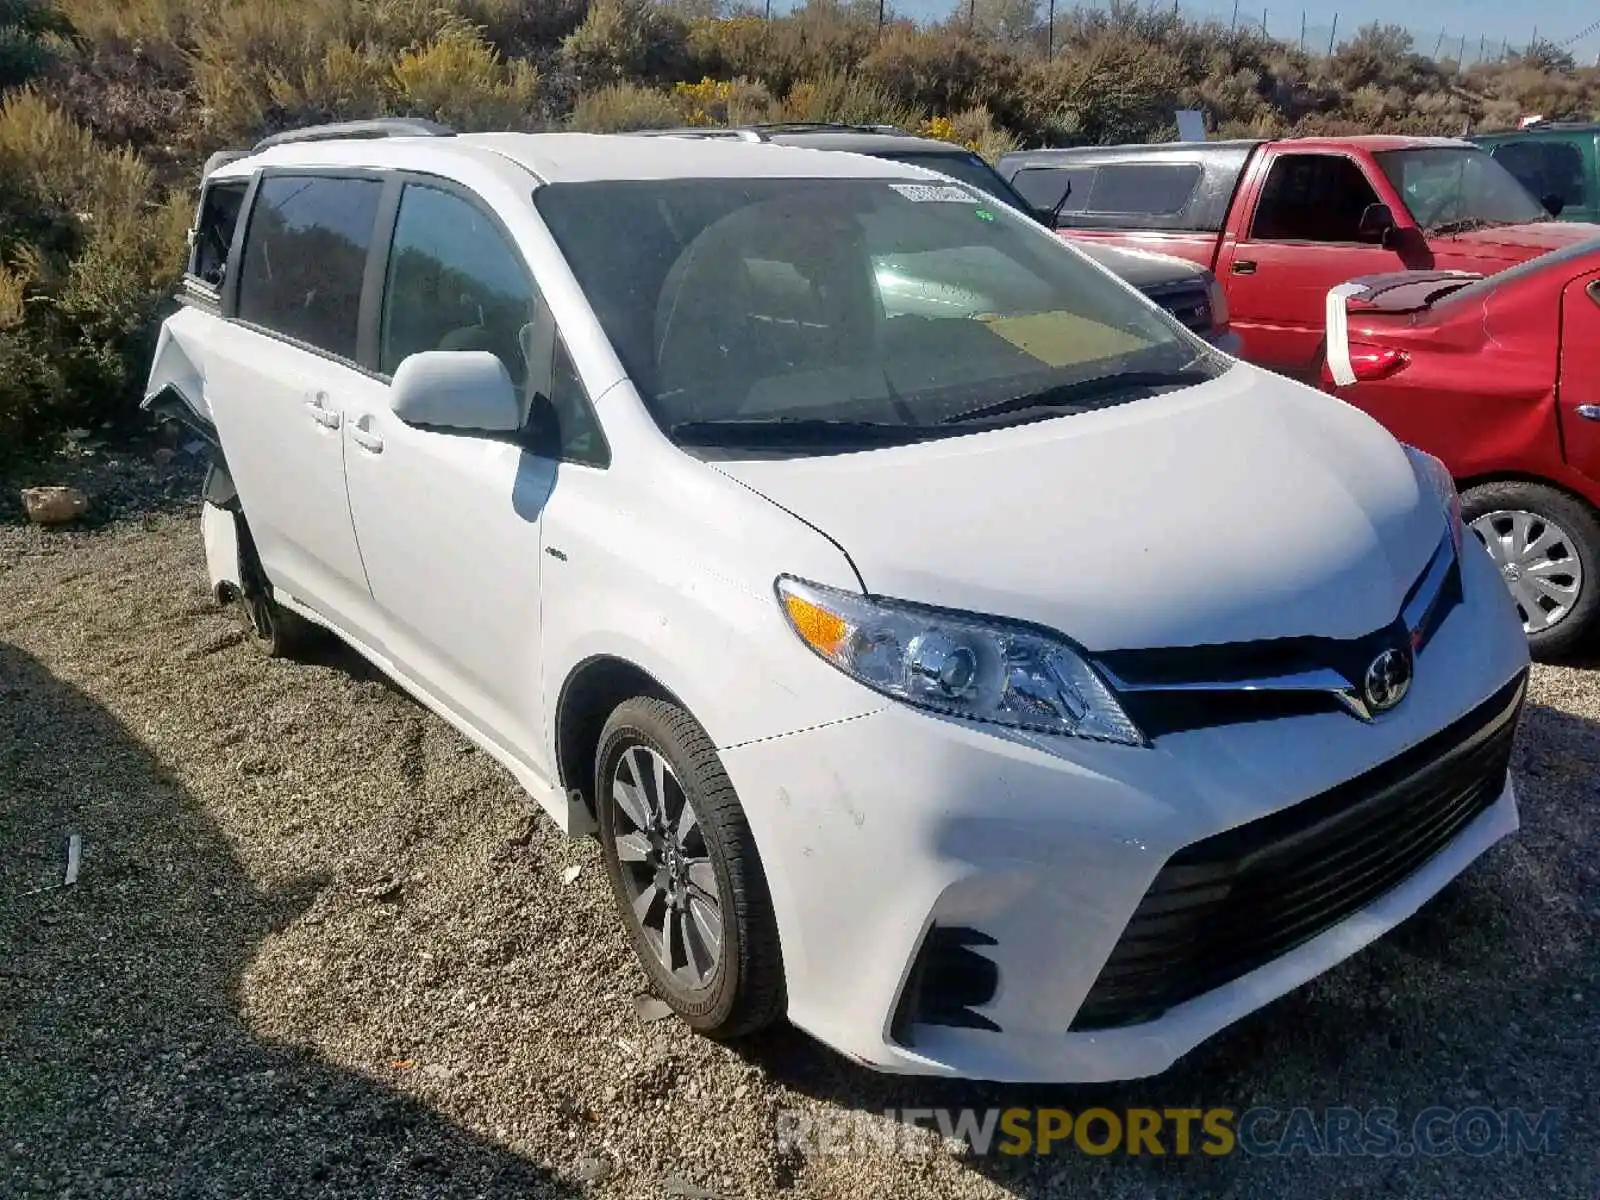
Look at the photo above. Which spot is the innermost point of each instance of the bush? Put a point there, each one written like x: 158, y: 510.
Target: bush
x: 24, y: 27
x: 627, y: 39
x: 620, y: 107
x: 93, y: 253
x: 851, y: 99
x: 460, y: 80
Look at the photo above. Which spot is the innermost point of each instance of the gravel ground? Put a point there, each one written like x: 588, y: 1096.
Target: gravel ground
x: 322, y: 947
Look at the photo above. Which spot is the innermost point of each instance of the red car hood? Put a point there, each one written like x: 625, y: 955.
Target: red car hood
x: 1516, y: 243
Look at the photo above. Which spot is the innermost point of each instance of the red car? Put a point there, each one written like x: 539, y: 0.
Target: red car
x: 1500, y: 378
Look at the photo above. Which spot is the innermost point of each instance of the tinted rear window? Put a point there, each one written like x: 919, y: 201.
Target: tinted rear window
x: 304, y: 258
x: 1043, y: 187
x: 1161, y: 189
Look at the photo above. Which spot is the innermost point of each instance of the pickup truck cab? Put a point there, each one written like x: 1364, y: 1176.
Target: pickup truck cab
x: 1282, y: 222
x: 1558, y: 161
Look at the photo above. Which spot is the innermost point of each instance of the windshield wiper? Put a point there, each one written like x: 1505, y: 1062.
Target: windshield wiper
x: 1465, y: 225
x: 795, y: 431
x: 1073, y: 396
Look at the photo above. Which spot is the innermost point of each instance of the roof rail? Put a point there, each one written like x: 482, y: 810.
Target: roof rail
x: 825, y: 126
x: 381, y: 127
x: 700, y: 131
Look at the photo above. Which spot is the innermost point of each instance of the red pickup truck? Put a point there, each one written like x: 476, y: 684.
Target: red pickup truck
x: 1283, y: 222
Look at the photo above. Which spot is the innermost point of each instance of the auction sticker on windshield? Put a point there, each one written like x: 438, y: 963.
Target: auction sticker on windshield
x: 924, y: 193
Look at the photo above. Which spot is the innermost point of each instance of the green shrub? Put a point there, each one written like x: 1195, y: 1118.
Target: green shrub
x: 92, y: 254
x: 25, y: 26
x: 627, y: 39
x: 620, y: 107
x: 850, y: 99
x: 461, y: 80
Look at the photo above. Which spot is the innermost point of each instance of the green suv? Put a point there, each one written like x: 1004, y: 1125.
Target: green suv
x: 1558, y: 161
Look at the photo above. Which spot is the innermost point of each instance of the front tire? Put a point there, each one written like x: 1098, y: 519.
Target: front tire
x: 685, y: 873
x: 1546, y: 545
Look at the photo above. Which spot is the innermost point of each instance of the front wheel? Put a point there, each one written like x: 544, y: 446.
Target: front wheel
x: 1546, y: 545
x: 685, y: 872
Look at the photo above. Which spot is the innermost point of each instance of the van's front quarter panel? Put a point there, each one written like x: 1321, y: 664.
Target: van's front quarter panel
x: 662, y: 562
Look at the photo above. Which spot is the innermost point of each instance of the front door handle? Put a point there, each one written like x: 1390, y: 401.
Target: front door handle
x: 1244, y: 266
x: 1589, y: 412
x: 365, y: 438
x: 317, y: 402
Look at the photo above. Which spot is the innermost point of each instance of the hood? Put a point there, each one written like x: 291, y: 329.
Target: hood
x: 1249, y: 507
x: 1517, y: 242
x: 1139, y: 267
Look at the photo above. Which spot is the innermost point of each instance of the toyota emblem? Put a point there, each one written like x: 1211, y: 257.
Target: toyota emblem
x: 1387, y: 681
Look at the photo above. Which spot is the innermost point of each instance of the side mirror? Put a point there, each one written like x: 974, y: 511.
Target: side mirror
x: 456, y: 389
x: 1553, y: 204
x: 1377, y: 224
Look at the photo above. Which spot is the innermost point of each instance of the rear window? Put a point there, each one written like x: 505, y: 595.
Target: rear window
x: 305, y: 256
x: 1043, y: 187
x: 1161, y: 189
x: 1547, y: 169
x: 213, y: 233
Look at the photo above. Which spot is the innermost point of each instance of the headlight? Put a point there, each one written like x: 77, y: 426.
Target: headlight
x: 1433, y: 474
x: 955, y: 663
x: 1220, y: 318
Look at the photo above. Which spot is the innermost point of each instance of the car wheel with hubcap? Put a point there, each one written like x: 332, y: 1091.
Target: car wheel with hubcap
x: 1546, y: 546
x: 684, y: 869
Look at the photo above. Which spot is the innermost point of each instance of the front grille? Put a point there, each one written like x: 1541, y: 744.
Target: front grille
x: 1190, y: 305
x: 1234, y: 902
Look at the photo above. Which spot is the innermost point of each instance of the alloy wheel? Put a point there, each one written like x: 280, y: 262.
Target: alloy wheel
x: 1537, y: 560
x: 666, y: 866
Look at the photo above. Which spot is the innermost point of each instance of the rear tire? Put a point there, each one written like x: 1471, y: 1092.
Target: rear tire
x: 279, y: 632
x: 1546, y: 545
x: 685, y: 873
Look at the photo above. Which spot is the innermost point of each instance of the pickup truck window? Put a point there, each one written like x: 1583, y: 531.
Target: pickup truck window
x: 1547, y: 169
x: 1161, y: 189
x: 1043, y: 187
x: 1453, y: 190
x: 1312, y: 198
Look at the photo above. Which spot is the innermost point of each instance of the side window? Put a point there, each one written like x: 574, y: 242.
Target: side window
x: 1158, y: 189
x: 213, y: 233
x: 1547, y: 169
x: 572, y: 430
x: 1042, y: 187
x: 304, y: 257
x: 1312, y: 198
x: 454, y: 283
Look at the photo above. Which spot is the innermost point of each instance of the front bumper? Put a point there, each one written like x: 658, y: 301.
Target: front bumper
x: 876, y: 829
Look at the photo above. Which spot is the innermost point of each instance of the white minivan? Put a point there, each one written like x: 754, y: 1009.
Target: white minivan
x: 952, y: 653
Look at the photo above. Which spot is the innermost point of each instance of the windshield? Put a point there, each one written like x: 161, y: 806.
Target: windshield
x: 1455, y: 189
x: 968, y: 168
x: 828, y: 314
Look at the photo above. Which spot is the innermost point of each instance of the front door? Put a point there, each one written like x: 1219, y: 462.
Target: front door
x: 449, y: 522
x: 1302, y: 241
x: 279, y: 378
x: 1578, y: 391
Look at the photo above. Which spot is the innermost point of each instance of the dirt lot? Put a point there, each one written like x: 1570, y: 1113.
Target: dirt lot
x: 320, y: 948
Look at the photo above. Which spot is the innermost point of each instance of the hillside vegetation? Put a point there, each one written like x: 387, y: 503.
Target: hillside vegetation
x: 107, y: 107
